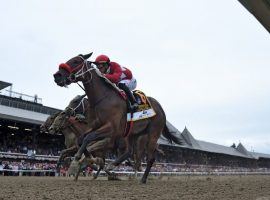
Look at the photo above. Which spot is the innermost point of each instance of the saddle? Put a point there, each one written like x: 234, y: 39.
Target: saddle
x: 144, y: 109
x: 142, y: 100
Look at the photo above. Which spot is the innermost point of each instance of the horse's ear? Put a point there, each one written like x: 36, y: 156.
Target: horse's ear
x: 86, y: 56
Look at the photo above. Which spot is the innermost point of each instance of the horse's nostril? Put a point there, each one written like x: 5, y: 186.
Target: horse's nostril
x: 72, y: 77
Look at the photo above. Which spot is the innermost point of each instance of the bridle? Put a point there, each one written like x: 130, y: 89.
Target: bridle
x: 61, y: 126
x: 82, y: 72
x: 84, y: 69
x: 66, y: 122
x: 47, y: 124
x: 73, y: 110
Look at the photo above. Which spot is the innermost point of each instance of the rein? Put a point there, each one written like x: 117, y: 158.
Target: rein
x: 80, y: 103
x: 80, y: 86
x: 70, y: 126
x: 81, y: 73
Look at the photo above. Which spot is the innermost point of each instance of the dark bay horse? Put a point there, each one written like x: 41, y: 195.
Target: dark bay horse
x: 108, y: 113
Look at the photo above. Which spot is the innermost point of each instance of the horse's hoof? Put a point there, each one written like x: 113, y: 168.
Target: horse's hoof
x: 143, y: 181
x: 113, y: 177
x: 74, y: 167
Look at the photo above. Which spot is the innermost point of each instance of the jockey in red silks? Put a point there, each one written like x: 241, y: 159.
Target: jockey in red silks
x: 119, y: 75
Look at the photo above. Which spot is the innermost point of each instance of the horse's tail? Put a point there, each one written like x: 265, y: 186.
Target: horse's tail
x: 170, y: 136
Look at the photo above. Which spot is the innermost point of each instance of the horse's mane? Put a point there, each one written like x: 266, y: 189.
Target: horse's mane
x: 51, y: 119
x: 107, y: 81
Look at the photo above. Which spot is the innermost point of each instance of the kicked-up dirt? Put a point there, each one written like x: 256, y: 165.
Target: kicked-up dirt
x: 255, y: 187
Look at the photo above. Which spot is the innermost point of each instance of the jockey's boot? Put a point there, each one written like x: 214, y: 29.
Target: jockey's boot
x: 132, y: 100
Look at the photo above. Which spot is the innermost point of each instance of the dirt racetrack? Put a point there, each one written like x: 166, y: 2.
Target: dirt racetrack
x: 184, y: 187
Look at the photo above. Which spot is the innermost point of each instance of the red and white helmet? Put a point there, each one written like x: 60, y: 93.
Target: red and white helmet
x: 102, y: 59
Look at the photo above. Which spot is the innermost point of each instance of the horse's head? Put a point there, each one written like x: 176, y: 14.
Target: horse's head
x: 60, y: 122
x: 67, y: 71
x: 46, y: 125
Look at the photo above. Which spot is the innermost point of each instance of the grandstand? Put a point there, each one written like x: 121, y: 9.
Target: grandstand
x: 23, y: 146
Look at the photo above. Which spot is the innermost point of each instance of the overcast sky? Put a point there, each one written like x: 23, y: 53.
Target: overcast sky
x: 207, y: 62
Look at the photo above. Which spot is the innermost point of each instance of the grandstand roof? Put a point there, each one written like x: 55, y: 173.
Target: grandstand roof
x: 190, y: 142
x: 216, y: 148
x: 242, y: 150
x: 22, y: 115
x: 260, y: 9
x: 189, y: 139
x: 259, y: 155
x: 3, y: 85
x: 24, y: 111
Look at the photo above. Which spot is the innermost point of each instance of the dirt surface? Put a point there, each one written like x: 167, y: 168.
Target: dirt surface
x: 184, y: 187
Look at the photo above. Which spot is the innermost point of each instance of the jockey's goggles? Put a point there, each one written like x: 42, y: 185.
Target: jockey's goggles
x: 102, y: 64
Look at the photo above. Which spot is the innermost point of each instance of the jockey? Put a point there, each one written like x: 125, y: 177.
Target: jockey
x: 119, y: 75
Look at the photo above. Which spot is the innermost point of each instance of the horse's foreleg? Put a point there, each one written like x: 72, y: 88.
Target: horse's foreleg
x: 93, y: 136
x: 64, y: 153
x: 101, y: 163
x: 126, y: 155
x: 68, y: 152
x: 77, y: 173
x: 96, y: 174
x: 120, y: 159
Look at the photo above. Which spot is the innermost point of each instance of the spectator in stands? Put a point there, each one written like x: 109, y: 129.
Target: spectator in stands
x: 7, y: 167
x: 1, y: 167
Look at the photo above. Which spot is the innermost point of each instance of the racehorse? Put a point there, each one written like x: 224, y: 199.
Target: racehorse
x: 66, y: 123
x: 46, y: 125
x: 69, y: 137
x: 73, y: 129
x: 108, y: 113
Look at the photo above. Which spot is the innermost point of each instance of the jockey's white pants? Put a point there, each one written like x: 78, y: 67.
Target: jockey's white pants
x: 130, y: 83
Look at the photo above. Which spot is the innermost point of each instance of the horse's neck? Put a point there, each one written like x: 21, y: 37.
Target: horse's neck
x: 78, y: 128
x: 69, y: 137
x: 96, y: 89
